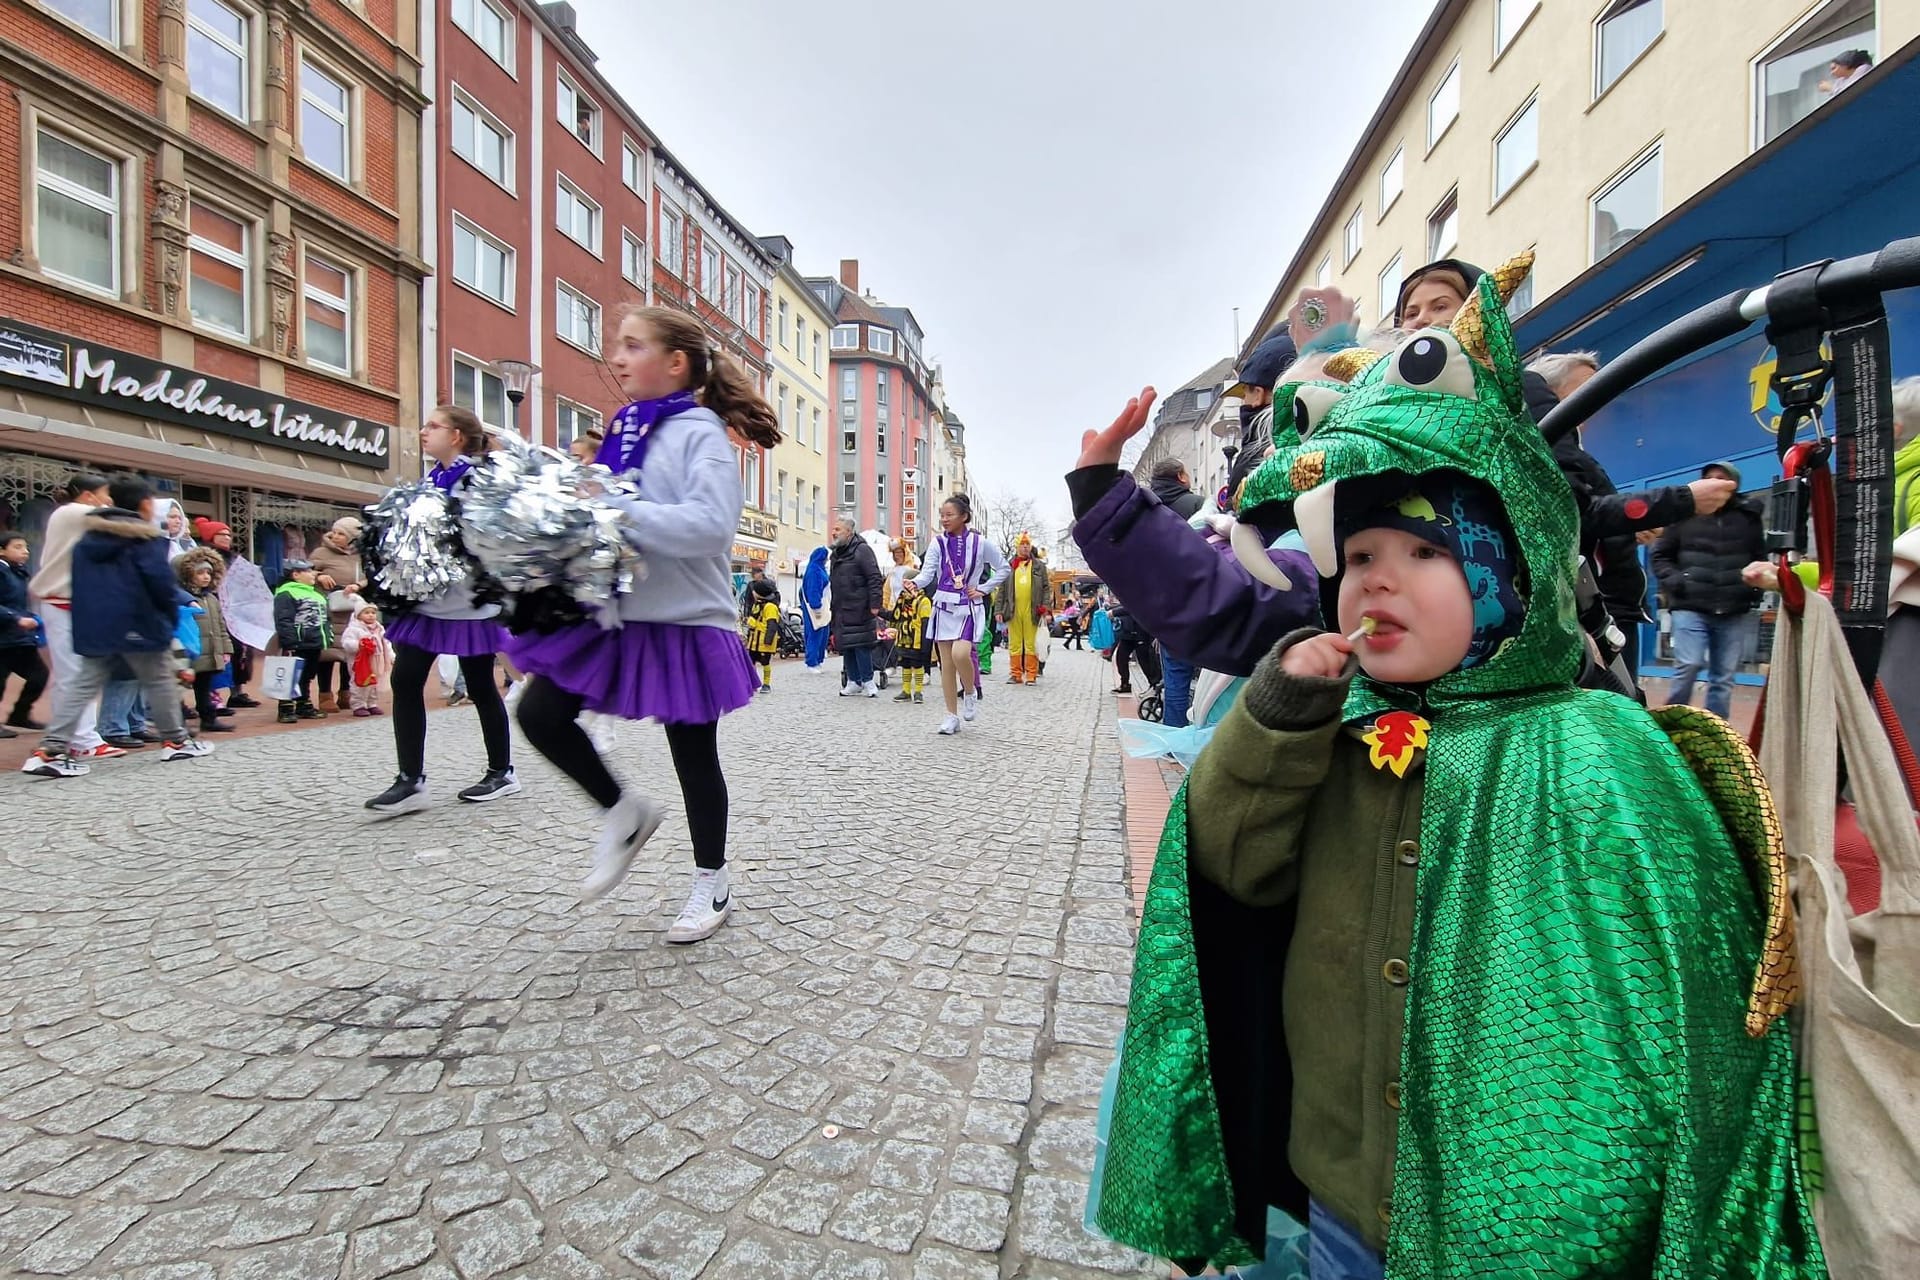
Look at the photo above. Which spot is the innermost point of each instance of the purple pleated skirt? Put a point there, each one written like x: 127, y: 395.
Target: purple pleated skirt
x: 454, y: 637
x: 644, y: 670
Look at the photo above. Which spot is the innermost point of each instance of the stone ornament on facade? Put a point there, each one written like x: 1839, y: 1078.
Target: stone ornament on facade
x: 173, y: 33
x: 277, y: 70
x: 168, y: 232
x: 280, y: 289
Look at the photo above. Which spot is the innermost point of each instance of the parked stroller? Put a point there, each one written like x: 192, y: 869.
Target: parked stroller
x: 793, y: 640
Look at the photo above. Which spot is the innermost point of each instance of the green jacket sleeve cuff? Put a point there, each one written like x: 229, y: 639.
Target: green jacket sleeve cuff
x: 1278, y: 700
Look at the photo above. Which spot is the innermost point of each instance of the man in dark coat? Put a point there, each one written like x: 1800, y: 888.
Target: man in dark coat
x: 126, y: 604
x: 1609, y: 518
x: 1699, y: 563
x: 856, y: 581
x: 19, y: 635
x: 1173, y: 486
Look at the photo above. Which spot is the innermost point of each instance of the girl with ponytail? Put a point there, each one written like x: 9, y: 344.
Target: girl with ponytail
x: 676, y: 656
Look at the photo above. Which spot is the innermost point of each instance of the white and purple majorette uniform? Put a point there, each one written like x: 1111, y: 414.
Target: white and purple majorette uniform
x: 955, y: 562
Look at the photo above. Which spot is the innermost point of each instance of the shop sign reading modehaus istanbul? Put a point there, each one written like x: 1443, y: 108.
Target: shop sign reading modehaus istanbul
x: 37, y: 359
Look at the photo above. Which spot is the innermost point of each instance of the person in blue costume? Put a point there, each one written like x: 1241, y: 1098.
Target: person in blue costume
x: 813, y: 598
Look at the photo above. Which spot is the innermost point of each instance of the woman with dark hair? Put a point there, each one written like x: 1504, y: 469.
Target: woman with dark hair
x: 452, y: 623
x: 953, y: 569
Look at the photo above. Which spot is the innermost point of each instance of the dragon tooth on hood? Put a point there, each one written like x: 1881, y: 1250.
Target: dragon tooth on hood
x: 1251, y: 551
x: 1313, y: 516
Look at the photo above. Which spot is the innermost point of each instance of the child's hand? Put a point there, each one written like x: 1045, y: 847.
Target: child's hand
x: 1323, y: 656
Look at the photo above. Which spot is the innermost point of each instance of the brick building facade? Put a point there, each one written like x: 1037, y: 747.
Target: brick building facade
x: 210, y: 265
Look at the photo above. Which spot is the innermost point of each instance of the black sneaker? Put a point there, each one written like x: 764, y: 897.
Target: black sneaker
x: 406, y: 795
x: 128, y: 742
x: 307, y: 711
x: 243, y: 700
x: 497, y: 783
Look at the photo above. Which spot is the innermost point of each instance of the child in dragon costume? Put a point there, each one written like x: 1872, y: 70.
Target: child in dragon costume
x: 1497, y: 962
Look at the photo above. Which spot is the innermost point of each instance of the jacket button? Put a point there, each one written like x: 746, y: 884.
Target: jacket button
x: 1393, y: 1095
x: 1386, y: 1211
x: 1409, y: 851
x: 1396, y: 972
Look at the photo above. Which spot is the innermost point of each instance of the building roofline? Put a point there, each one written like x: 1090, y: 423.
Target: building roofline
x: 1402, y: 88
x: 748, y: 241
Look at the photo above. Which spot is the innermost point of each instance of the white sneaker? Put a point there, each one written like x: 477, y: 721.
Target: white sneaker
x: 629, y: 824
x: 44, y: 764
x: 849, y: 690
x: 970, y: 706
x: 600, y: 730
x: 516, y: 691
x: 870, y: 689
x: 186, y: 749
x: 708, y: 902
x: 950, y: 725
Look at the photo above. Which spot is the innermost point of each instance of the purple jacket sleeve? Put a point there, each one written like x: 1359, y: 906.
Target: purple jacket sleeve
x: 1204, y: 606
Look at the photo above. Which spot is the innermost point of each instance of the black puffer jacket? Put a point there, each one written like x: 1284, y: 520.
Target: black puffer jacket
x: 856, y: 580
x: 1699, y: 560
x: 1608, y: 521
x: 1183, y: 500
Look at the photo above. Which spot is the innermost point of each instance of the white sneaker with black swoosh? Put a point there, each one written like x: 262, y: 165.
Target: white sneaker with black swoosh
x: 708, y: 902
x: 629, y: 824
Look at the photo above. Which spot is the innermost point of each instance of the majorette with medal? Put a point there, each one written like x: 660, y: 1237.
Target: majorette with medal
x: 953, y: 568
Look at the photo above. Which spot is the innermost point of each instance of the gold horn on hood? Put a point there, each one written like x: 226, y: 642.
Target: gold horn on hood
x: 1468, y: 326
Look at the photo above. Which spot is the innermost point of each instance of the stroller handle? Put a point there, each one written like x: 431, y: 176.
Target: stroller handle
x: 1847, y: 283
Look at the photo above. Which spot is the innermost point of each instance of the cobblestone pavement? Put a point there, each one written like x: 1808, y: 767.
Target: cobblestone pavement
x: 248, y: 1032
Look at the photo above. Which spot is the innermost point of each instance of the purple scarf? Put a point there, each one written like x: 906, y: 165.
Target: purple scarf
x: 625, y: 448
x: 956, y: 573
x: 446, y: 475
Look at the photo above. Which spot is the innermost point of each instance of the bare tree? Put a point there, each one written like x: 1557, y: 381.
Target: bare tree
x: 1004, y: 516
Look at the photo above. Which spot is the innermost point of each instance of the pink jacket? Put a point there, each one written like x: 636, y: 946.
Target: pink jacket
x: 381, y: 654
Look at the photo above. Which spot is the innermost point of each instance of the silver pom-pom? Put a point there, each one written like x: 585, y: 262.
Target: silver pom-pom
x: 414, y: 552
x: 537, y: 521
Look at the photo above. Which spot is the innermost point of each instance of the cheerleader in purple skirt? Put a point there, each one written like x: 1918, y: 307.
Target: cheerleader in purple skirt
x: 453, y: 624
x: 676, y: 656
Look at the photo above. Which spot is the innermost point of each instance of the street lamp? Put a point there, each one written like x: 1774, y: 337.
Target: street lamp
x: 516, y: 376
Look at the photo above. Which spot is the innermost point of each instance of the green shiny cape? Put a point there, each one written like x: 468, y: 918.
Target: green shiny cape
x: 1593, y: 1080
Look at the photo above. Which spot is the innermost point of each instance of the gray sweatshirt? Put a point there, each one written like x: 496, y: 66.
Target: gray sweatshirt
x: 684, y: 522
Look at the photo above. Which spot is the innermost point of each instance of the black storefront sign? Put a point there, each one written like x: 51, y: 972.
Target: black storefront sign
x: 76, y: 369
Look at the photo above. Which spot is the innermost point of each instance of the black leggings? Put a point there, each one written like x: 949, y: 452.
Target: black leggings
x: 411, y: 666
x: 549, y: 716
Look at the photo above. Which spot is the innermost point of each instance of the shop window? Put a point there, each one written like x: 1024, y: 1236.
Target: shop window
x: 219, y: 278
x: 1799, y: 74
x: 326, y: 119
x: 327, y: 296
x: 77, y: 212
x: 218, y: 56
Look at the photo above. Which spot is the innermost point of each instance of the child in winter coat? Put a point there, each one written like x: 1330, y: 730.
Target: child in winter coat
x: 200, y: 572
x: 365, y: 643
x: 763, y: 630
x: 913, y: 640
x: 300, y: 624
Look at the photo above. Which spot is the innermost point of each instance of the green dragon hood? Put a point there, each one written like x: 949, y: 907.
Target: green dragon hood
x: 1441, y: 400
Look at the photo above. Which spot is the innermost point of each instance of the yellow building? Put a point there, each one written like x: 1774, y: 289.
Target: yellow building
x: 1569, y: 128
x: 798, y: 392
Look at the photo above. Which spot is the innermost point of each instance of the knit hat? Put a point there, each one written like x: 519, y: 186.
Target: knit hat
x: 1463, y: 515
x: 207, y: 530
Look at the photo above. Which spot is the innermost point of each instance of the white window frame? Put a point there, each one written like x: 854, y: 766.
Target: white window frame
x: 1389, y: 298
x: 1323, y: 274
x: 573, y: 305
x: 874, y: 335
x: 504, y: 55
x: 1501, y: 8
x: 1353, y: 237
x: 846, y: 337
x: 673, y: 239
x: 849, y: 488
x: 750, y: 304
x: 342, y: 306
x: 574, y: 199
x: 819, y: 509
x: 243, y: 51
x: 633, y: 257
x: 110, y: 36
x: 1757, y: 75
x: 712, y: 281
x: 1452, y: 78
x: 1436, y: 220
x: 481, y: 371
x: 849, y: 382
x: 482, y: 118
x: 110, y: 205
x: 819, y: 439
x: 633, y: 170
x: 1395, y: 168
x: 508, y: 265
x: 567, y: 89
x: 1613, y: 10
x: 220, y: 253
x: 781, y: 314
x: 1532, y: 105
x: 816, y: 354
x: 730, y: 293
x: 350, y: 90
x: 1651, y: 155
x: 572, y: 411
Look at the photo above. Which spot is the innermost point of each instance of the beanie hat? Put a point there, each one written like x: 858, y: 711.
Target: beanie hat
x: 1463, y: 515
x: 208, y: 529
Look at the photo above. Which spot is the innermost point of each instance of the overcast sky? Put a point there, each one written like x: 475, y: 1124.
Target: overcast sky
x: 1072, y: 197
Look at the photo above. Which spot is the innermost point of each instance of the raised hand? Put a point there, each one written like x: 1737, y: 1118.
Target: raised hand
x: 1098, y: 448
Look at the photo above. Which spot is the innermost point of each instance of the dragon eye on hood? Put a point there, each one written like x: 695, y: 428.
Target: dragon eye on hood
x: 1311, y: 405
x: 1432, y: 360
